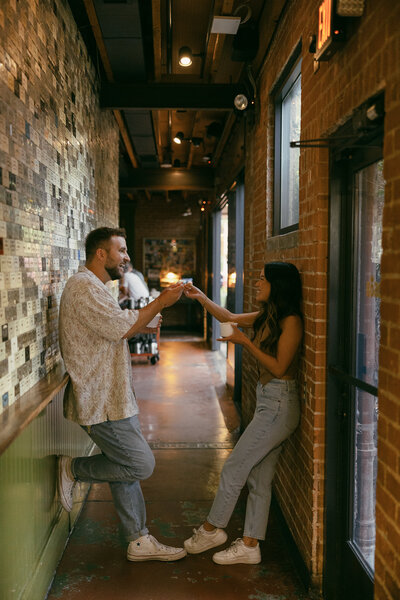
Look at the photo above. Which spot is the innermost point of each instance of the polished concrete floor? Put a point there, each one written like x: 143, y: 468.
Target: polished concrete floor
x: 191, y: 424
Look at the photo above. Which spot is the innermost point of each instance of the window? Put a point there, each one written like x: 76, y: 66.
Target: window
x: 287, y: 129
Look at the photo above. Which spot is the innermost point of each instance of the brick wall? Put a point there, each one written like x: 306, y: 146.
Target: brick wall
x: 368, y: 62
x: 58, y: 179
x: 161, y: 217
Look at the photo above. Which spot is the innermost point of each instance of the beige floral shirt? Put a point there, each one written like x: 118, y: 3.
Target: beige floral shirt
x: 91, y: 327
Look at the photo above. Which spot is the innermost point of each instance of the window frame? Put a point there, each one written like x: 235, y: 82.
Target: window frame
x: 290, y: 75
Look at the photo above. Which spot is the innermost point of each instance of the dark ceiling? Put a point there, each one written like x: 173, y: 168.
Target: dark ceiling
x: 135, y: 45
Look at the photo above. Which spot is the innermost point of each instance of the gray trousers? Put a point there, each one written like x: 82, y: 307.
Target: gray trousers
x: 125, y: 460
x: 253, y: 459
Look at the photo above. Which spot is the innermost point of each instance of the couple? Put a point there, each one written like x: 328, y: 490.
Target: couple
x: 100, y: 397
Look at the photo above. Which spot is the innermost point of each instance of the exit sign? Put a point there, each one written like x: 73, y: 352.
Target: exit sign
x: 330, y: 31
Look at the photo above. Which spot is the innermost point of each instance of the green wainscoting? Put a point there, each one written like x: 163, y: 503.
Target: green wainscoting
x: 33, y: 527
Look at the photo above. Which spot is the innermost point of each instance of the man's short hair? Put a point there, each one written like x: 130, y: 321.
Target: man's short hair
x: 99, y: 238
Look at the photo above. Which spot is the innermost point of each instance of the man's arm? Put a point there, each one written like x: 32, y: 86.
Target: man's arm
x: 168, y: 297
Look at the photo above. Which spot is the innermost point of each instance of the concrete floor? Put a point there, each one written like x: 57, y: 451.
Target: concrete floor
x: 191, y: 424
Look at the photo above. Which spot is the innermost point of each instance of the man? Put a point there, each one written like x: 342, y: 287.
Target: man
x: 100, y: 397
x: 134, y: 283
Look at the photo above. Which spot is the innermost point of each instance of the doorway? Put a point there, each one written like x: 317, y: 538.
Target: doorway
x: 357, y: 199
x: 228, y: 256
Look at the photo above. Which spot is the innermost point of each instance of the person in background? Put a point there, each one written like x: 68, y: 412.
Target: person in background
x: 134, y: 283
x: 100, y: 396
x: 275, y: 344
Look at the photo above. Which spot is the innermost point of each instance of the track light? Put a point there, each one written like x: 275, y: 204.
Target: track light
x: 185, y: 56
x: 179, y: 137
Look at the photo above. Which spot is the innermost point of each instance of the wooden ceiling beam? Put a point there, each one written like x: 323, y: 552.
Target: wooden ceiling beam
x: 169, y: 179
x: 91, y: 12
x: 159, y: 96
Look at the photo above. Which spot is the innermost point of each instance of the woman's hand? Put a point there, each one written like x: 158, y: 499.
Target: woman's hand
x: 237, y: 337
x: 193, y: 292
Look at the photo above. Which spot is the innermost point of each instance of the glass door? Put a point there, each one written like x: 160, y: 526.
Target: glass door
x: 369, y: 198
x: 353, y: 360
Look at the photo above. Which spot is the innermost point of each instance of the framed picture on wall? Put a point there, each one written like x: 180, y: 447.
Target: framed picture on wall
x: 168, y: 260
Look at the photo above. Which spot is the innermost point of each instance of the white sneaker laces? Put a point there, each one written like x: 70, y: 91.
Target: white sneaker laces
x: 196, y: 534
x: 234, y: 547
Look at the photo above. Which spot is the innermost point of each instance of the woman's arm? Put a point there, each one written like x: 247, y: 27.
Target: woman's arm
x: 288, y: 343
x: 223, y: 315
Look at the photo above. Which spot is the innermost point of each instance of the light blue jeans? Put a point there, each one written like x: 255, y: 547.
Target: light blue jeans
x: 125, y: 460
x: 253, y: 459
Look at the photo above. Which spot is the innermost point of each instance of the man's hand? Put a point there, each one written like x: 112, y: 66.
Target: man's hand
x: 171, y: 294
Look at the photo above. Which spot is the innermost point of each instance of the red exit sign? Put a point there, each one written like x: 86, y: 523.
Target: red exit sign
x: 324, y: 23
x: 329, y: 31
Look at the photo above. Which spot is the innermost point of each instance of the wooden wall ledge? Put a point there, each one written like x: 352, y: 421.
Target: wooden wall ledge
x: 16, y: 417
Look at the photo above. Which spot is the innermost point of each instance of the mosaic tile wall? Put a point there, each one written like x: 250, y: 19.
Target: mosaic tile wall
x: 58, y: 179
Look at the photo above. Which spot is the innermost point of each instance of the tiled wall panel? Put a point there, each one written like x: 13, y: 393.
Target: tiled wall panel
x: 58, y: 179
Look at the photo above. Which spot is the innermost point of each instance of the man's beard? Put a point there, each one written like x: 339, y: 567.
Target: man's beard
x: 114, y: 273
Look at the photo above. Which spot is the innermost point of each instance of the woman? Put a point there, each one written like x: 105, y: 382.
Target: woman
x: 276, y: 342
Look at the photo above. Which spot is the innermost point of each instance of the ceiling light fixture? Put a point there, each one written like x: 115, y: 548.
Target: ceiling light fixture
x: 179, y: 137
x: 187, y: 212
x: 185, y: 56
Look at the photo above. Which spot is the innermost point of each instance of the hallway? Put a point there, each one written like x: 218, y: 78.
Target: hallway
x: 190, y: 423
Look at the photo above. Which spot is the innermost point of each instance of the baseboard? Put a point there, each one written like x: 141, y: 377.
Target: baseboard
x: 294, y: 552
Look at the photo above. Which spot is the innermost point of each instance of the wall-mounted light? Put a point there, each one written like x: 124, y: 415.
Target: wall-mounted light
x: 241, y: 102
x: 246, y: 98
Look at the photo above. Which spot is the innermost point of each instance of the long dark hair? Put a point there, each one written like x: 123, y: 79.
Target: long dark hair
x: 284, y: 300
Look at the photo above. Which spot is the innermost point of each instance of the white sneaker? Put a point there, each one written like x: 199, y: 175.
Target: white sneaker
x: 148, y: 548
x: 238, y: 552
x: 65, y: 484
x: 203, y: 540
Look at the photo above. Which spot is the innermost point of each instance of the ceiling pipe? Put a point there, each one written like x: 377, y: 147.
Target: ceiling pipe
x: 204, y: 57
x: 169, y: 37
x: 169, y: 69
